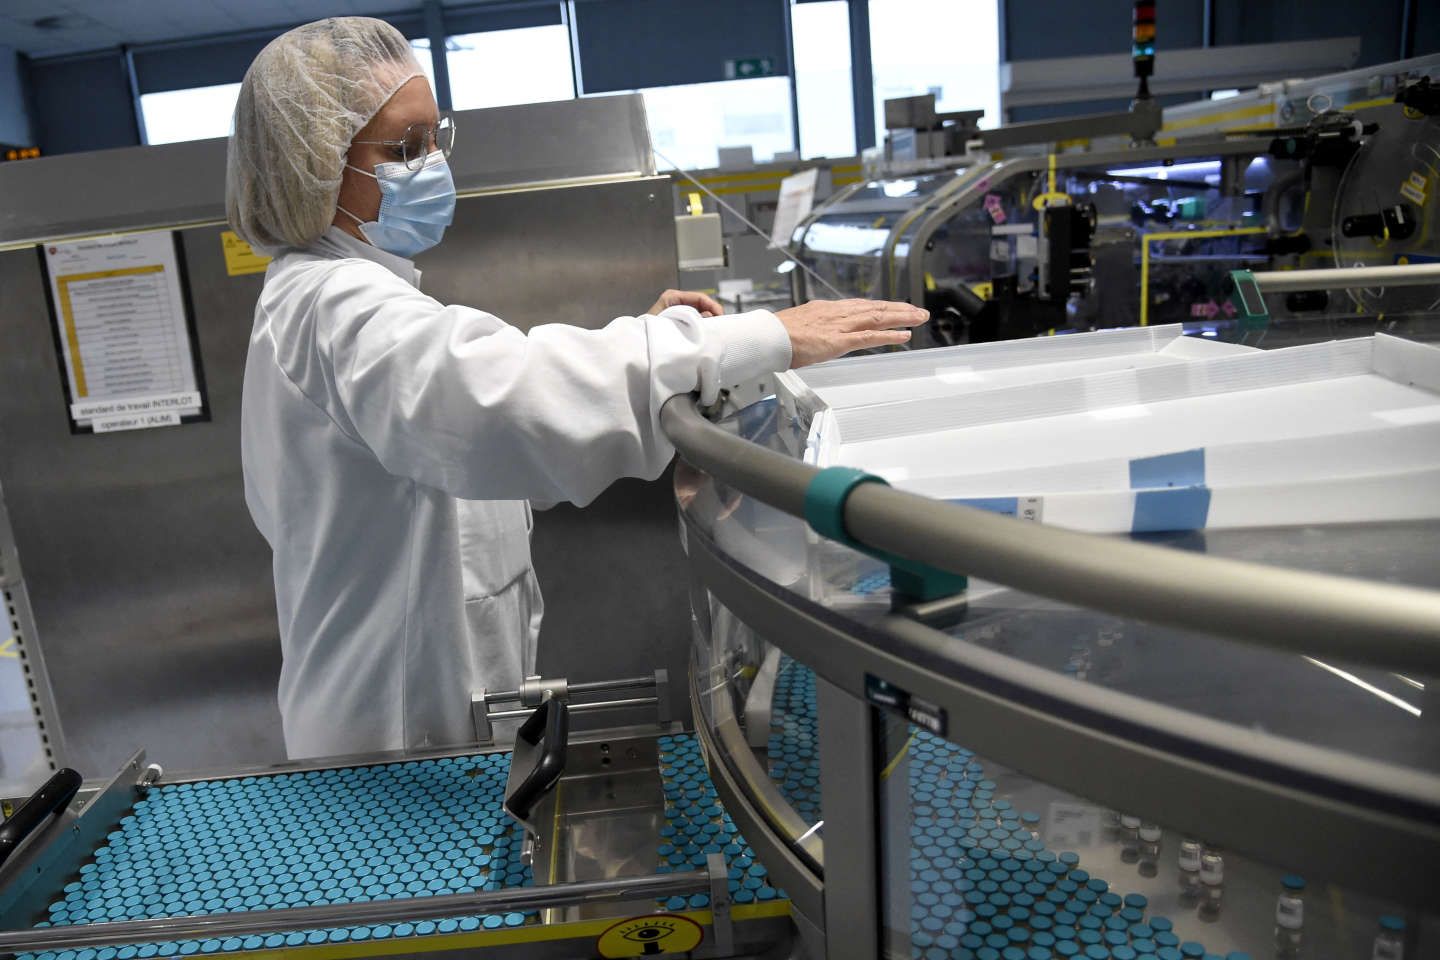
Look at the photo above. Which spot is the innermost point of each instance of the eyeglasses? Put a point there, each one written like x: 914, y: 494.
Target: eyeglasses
x: 419, y: 140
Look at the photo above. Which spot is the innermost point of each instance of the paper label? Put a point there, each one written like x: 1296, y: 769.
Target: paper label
x: 797, y: 197
x: 187, y: 402
x: 240, y: 257
x: 920, y: 712
x: 143, y: 421
x: 120, y: 318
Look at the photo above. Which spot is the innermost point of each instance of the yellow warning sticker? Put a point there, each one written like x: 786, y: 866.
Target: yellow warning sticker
x: 650, y: 935
x: 240, y: 259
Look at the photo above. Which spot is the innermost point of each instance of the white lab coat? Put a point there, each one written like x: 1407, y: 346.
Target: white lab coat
x: 391, y: 444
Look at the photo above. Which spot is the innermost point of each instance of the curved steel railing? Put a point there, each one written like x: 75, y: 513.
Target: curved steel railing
x: 1227, y: 782
x: 1381, y: 624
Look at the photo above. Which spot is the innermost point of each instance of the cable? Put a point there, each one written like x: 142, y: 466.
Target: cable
x: 743, y: 219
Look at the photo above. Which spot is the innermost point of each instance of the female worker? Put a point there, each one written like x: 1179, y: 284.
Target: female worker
x: 391, y: 443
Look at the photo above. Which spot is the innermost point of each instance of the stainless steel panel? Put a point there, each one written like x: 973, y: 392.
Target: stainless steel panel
x: 149, y: 585
x: 613, y: 607
x: 582, y: 255
x: 151, y: 588
x: 608, y: 814
x: 30, y: 730
x: 135, y: 187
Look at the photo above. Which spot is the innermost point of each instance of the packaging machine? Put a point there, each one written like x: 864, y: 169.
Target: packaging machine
x: 1026, y: 239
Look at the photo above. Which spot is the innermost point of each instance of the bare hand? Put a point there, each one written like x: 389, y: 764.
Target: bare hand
x: 688, y: 298
x: 825, y: 329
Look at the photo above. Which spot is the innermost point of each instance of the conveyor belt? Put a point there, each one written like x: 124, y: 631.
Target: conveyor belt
x: 389, y: 831
x: 981, y: 879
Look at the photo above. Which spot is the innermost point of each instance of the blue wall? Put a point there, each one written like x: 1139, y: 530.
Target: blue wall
x: 14, y: 111
x: 1375, y: 22
x: 627, y: 44
x: 1042, y: 29
x: 83, y: 103
x: 1427, y: 29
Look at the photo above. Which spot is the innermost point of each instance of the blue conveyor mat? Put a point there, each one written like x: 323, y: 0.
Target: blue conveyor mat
x: 982, y: 882
x: 390, y: 831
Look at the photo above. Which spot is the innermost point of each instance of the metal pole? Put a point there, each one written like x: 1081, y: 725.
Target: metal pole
x: 353, y: 914
x: 581, y: 707
x: 862, y: 75
x: 1341, y: 278
x: 788, y: 14
x: 1408, y: 14
x: 590, y: 686
x: 435, y: 30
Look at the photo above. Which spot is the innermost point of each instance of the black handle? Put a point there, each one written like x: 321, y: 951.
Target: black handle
x: 53, y: 796
x: 550, y: 722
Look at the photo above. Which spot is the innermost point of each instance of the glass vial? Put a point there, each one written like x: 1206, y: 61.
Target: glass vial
x: 1289, y: 916
x: 1390, y: 941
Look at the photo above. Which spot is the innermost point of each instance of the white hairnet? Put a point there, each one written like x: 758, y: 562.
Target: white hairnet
x: 303, y: 100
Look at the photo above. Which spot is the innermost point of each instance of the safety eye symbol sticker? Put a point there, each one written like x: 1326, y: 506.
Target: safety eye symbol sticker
x: 650, y: 936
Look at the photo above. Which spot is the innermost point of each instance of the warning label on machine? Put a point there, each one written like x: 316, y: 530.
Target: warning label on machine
x: 650, y: 935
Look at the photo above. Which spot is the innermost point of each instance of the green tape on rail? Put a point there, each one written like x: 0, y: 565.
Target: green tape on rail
x: 825, y: 502
x: 825, y: 512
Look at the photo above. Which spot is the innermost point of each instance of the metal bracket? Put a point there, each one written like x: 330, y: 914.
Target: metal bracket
x: 535, y: 690
x: 759, y: 702
x: 480, y: 716
x: 662, y: 696
x: 723, y: 925
x: 39, y: 867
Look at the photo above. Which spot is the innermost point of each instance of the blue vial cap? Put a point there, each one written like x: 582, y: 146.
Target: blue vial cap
x: 1123, y: 952
x: 1169, y: 953
x: 1069, y: 858
x: 1143, y: 945
x: 1292, y: 881
x: 1067, y: 948
x: 1136, y: 900
x: 1162, y: 923
x: 1191, y: 950
x: 1115, y: 937
x: 1097, y: 952
x: 1167, y: 939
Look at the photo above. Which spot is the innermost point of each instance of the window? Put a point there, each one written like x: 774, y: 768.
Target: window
x: 946, y: 47
x: 502, y: 67
x: 195, y: 114
x: 690, y: 122
x: 821, y: 32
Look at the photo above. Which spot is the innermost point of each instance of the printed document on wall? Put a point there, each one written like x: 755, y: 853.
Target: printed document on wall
x: 124, y: 337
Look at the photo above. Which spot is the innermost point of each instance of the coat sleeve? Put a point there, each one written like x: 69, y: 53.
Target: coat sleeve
x: 458, y: 399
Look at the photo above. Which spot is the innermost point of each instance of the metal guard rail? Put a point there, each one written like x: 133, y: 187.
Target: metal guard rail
x: 1365, y: 622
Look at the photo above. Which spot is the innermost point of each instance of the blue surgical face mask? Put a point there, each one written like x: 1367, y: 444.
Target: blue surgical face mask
x: 415, y: 206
